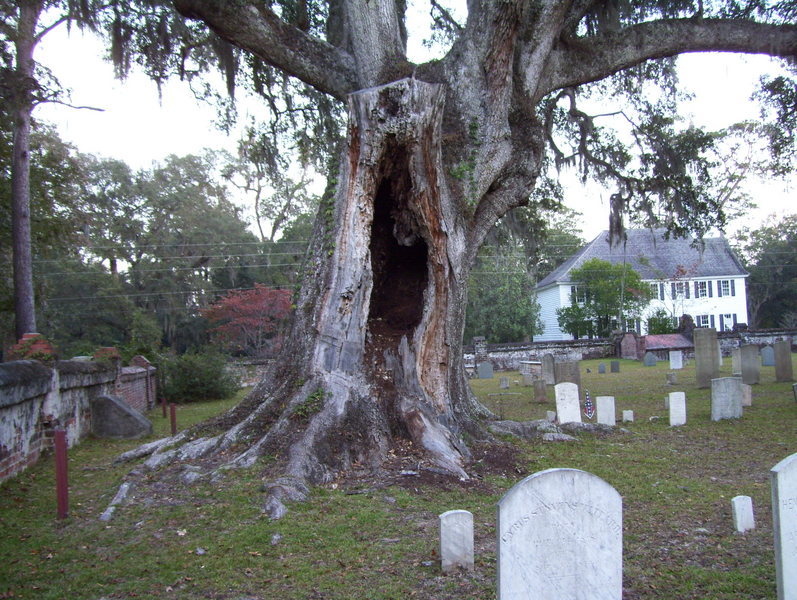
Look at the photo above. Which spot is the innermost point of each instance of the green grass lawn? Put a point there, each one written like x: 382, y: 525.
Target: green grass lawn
x: 211, y: 540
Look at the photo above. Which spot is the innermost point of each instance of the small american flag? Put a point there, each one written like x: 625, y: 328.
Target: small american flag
x: 589, y: 407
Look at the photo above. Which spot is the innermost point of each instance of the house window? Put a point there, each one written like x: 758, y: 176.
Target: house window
x: 702, y: 320
x: 726, y: 287
x: 727, y: 322
x: 657, y: 291
x: 678, y: 286
x: 578, y: 294
x: 701, y: 290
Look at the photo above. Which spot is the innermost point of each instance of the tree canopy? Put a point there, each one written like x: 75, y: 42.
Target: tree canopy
x: 770, y: 255
x: 605, y: 297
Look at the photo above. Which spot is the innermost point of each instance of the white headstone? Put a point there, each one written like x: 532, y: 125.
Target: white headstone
x: 628, y: 416
x: 677, y: 408
x: 784, y: 521
x: 747, y: 395
x: 456, y: 540
x: 568, y: 407
x: 743, y: 519
x: 736, y: 361
x: 726, y: 398
x: 551, y: 415
x: 605, y: 408
x: 676, y: 359
x: 560, y: 537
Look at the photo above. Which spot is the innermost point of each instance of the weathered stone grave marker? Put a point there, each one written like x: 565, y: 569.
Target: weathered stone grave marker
x: 726, y: 398
x: 736, y: 361
x: 456, y: 540
x: 548, y: 374
x: 767, y: 356
x: 751, y: 370
x: 503, y: 383
x: 677, y: 406
x: 560, y: 537
x: 742, y: 507
x: 568, y: 407
x: 784, y: 521
x: 706, y: 362
x: 650, y: 359
x: 614, y: 366
x: 676, y: 360
x: 672, y: 379
x: 605, y: 407
x: 747, y: 395
x: 601, y: 368
x: 628, y: 416
x: 484, y: 370
x: 568, y: 371
x: 783, y: 368
x: 540, y: 391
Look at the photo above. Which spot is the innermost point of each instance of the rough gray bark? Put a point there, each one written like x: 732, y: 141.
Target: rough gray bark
x: 22, y: 103
x: 435, y: 155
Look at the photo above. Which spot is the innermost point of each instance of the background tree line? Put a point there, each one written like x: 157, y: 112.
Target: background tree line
x: 132, y: 258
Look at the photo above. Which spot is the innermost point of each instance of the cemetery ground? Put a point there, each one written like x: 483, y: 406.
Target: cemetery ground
x: 377, y: 537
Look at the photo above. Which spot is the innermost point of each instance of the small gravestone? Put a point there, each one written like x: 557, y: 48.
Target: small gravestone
x: 112, y: 417
x: 676, y: 360
x: 628, y: 416
x: 751, y: 369
x: 568, y: 371
x: 548, y: 373
x: 706, y: 362
x: 783, y: 368
x: 784, y: 521
x: 601, y: 368
x: 672, y: 379
x: 560, y: 536
x: 736, y: 361
x: 568, y: 407
x: 767, y: 356
x: 550, y: 416
x: 614, y: 366
x: 726, y: 398
x: 747, y: 395
x: 677, y: 406
x: 605, y: 409
x: 540, y: 391
x: 503, y: 383
x: 719, y: 355
x: 484, y: 370
x: 742, y: 507
x: 456, y: 540
x: 650, y: 359
x: 794, y: 391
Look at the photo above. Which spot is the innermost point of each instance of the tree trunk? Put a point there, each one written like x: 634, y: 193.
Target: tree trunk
x: 375, y: 350
x: 24, y: 305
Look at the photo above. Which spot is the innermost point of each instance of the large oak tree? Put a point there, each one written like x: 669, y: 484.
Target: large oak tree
x: 434, y: 155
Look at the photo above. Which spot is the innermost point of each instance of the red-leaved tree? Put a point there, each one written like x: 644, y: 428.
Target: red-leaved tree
x: 248, y: 321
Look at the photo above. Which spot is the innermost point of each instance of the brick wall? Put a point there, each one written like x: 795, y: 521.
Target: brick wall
x: 36, y: 399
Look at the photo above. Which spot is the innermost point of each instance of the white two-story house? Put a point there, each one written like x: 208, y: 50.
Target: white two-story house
x: 705, y: 282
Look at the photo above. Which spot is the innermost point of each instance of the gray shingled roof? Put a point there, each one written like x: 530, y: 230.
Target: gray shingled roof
x: 654, y: 257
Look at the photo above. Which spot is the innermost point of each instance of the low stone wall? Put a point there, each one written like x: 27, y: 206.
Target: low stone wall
x: 507, y: 357
x: 36, y: 399
x: 761, y: 337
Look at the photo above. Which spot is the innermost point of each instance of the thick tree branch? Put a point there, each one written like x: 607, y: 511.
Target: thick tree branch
x: 258, y: 30
x: 585, y: 60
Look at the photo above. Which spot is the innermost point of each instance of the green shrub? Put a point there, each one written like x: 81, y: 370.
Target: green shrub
x: 196, y: 376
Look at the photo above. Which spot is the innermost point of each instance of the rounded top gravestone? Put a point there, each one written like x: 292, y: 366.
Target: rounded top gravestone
x: 560, y: 537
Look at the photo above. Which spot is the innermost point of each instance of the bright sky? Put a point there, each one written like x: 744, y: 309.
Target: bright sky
x: 139, y: 127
